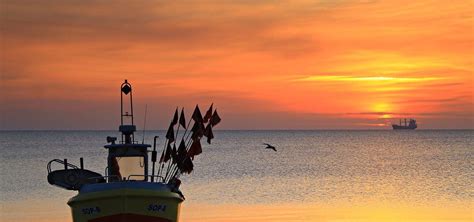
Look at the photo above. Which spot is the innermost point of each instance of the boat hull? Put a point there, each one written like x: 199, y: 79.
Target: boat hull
x: 120, y: 205
x: 397, y: 127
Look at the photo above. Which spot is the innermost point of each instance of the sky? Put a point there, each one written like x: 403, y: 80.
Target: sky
x: 263, y: 64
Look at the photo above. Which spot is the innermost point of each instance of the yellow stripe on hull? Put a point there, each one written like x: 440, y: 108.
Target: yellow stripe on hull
x: 141, y: 205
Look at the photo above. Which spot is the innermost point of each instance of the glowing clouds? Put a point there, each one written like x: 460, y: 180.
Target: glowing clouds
x: 296, y: 60
x: 380, y: 79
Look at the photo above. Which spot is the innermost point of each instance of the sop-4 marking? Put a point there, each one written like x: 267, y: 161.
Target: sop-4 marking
x: 157, y: 207
x: 91, y: 210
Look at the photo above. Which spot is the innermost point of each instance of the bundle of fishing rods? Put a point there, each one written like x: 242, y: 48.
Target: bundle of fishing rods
x: 178, y: 155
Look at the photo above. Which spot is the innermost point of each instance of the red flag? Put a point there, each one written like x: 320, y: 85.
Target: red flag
x: 174, y: 154
x: 208, y: 115
x: 170, y: 133
x: 208, y: 133
x: 197, y: 117
x: 181, y: 151
x: 187, y: 166
x: 215, y: 119
x: 175, y: 117
x: 195, y: 149
x: 182, y: 120
x: 198, y: 130
x: 167, y: 153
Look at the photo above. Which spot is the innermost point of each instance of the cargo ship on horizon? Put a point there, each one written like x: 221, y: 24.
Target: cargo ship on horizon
x: 410, y: 126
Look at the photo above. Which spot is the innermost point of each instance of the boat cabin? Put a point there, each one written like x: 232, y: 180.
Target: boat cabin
x: 127, y: 161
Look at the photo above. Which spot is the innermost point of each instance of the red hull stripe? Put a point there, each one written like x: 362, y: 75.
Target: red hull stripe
x: 129, y: 218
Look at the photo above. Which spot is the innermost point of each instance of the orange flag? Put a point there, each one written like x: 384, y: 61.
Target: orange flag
x: 182, y: 120
x: 195, y: 149
x: 181, y: 151
x: 197, y: 116
x: 187, y: 166
x: 167, y: 153
x: 170, y: 133
x: 198, y: 130
x: 208, y: 115
x: 208, y: 133
x: 215, y: 119
x: 174, y: 154
x: 175, y: 117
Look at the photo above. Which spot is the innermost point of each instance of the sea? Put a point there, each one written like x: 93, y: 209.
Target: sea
x: 315, y: 175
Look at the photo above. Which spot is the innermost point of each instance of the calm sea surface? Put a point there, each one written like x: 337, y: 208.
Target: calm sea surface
x: 411, y: 168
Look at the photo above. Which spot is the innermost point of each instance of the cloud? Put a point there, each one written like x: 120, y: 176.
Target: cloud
x: 450, y: 100
x: 377, y: 113
x: 389, y: 79
x: 173, y: 25
x: 246, y: 55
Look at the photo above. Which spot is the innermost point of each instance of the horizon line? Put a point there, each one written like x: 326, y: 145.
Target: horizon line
x: 319, y: 129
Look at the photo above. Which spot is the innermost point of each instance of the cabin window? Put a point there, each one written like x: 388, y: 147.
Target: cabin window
x: 129, y: 167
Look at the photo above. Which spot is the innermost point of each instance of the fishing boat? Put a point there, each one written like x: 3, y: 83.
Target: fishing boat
x: 410, y: 126
x: 128, y: 191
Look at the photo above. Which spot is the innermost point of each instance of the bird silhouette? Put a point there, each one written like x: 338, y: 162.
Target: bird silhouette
x: 269, y: 147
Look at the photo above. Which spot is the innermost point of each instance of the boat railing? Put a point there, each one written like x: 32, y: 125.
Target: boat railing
x: 116, y: 178
x: 105, y: 178
x: 106, y: 173
x: 62, y: 162
x: 146, y: 176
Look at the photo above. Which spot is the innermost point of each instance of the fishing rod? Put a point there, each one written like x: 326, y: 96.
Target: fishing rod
x: 169, y: 163
x: 173, y: 167
x: 153, y: 158
x: 161, y: 166
x: 144, y: 124
x: 176, y: 170
x: 166, y: 145
x: 189, y: 140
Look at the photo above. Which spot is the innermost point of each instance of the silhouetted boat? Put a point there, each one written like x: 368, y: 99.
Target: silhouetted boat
x: 411, y: 125
x: 128, y: 191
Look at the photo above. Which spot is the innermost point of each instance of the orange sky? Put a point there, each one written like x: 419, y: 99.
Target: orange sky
x: 265, y: 65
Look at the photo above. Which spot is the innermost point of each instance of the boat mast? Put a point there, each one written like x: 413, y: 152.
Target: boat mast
x: 126, y: 129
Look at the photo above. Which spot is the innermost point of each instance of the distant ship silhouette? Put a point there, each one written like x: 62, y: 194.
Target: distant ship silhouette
x: 411, y: 125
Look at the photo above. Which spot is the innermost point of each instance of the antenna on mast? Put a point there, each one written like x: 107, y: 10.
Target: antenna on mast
x: 144, y: 124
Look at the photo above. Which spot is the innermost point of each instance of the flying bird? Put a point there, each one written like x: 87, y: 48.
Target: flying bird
x: 270, y: 147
